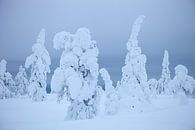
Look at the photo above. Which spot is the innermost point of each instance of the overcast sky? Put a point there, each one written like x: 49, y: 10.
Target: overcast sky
x: 169, y: 24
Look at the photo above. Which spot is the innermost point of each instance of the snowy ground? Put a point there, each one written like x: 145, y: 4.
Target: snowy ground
x: 166, y: 114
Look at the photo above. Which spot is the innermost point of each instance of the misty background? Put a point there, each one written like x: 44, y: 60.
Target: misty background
x: 169, y: 24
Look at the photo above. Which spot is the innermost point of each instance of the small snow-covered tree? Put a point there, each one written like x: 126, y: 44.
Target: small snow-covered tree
x: 21, y: 81
x: 58, y: 84
x: 10, y: 84
x: 111, y: 100
x: 152, y: 87
x: 78, y: 72
x: 182, y: 82
x: 3, y: 64
x: 134, y: 76
x: 7, y: 85
x: 39, y: 63
x: 163, y: 82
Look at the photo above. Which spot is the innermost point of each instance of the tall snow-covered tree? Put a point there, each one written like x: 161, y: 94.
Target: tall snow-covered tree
x: 111, y: 97
x: 77, y: 75
x: 134, y: 76
x: 7, y: 85
x: 39, y: 64
x: 21, y: 81
x: 163, y: 82
x: 182, y: 82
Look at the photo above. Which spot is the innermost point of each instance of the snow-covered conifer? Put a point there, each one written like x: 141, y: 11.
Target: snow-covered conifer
x: 111, y: 100
x: 134, y: 76
x: 165, y: 77
x: 39, y: 63
x: 182, y: 82
x: 21, y: 81
x: 7, y: 85
x: 3, y: 64
x: 10, y: 84
x: 152, y: 87
x: 78, y: 72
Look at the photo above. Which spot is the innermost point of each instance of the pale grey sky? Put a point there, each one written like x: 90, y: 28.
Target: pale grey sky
x: 169, y: 24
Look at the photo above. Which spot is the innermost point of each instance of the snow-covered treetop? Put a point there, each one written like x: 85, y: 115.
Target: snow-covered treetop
x: 181, y: 71
x: 80, y: 40
x: 152, y: 81
x: 78, y: 48
x: 104, y: 74
x: 165, y: 59
x: 133, y: 42
x: 21, y: 68
x: 41, y: 36
x: 135, y: 61
x: 108, y: 82
x: 40, y: 53
x: 182, y: 80
x: 3, y: 64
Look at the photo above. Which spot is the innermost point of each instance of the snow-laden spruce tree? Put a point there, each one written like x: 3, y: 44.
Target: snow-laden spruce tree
x: 77, y: 75
x: 163, y: 82
x: 7, y: 85
x: 111, y: 97
x: 182, y: 83
x: 39, y: 64
x: 134, y: 76
x: 21, y: 81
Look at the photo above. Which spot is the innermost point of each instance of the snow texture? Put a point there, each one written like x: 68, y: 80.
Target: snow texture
x: 166, y: 114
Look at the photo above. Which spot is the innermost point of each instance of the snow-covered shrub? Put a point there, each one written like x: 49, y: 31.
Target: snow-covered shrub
x: 111, y: 97
x: 7, y: 85
x: 182, y: 82
x: 38, y: 62
x: 152, y: 87
x: 77, y: 75
x: 134, y: 76
x: 21, y: 81
x: 163, y: 82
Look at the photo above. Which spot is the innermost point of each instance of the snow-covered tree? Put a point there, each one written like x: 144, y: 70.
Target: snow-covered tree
x: 165, y: 77
x: 10, y: 84
x: 39, y: 63
x: 21, y: 81
x: 3, y: 64
x: 134, y: 76
x: 77, y: 75
x: 111, y: 97
x: 182, y: 82
x: 152, y: 87
x: 58, y: 84
x: 7, y: 85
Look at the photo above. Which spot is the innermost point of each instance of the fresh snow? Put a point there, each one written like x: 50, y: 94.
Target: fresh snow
x: 166, y: 113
